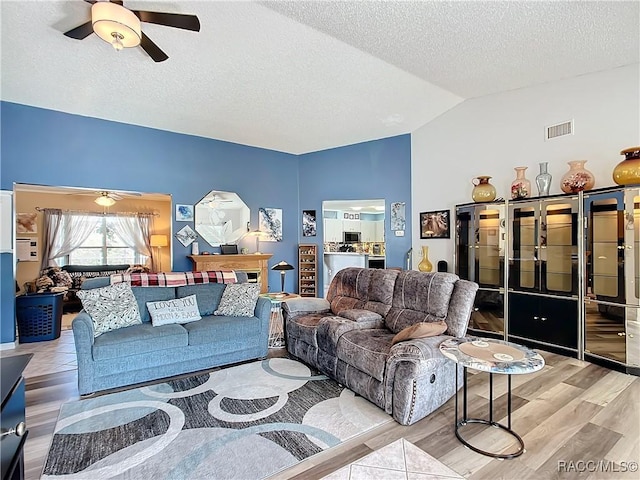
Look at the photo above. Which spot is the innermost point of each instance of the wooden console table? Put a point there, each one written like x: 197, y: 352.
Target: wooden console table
x: 251, y: 263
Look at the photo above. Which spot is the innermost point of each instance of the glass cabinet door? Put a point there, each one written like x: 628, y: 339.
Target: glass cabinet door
x: 523, y: 258
x: 465, y: 239
x: 605, y: 295
x: 558, y: 252
x: 489, y: 258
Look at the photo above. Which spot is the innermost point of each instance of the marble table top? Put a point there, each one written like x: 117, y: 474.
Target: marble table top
x: 500, y: 356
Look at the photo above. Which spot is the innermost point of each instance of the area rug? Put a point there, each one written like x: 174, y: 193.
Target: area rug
x: 244, y: 422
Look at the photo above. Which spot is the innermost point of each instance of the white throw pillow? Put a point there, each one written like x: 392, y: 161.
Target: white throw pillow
x: 175, y: 310
x: 239, y: 300
x: 111, y: 307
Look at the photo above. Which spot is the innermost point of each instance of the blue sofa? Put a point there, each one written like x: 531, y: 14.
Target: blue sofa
x: 141, y: 353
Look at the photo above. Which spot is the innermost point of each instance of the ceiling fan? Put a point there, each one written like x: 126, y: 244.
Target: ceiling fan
x: 120, y: 27
x: 106, y: 198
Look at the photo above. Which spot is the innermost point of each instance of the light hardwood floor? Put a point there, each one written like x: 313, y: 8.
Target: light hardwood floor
x: 571, y: 415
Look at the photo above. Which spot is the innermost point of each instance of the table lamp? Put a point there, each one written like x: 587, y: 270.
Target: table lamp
x: 157, y: 241
x: 282, y: 267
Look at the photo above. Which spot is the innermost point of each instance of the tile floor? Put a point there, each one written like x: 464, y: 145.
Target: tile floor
x: 51, y: 356
x: 399, y: 460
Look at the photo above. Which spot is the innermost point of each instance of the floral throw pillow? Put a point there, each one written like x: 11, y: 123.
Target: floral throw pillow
x: 111, y: 307
x: 239, y: 300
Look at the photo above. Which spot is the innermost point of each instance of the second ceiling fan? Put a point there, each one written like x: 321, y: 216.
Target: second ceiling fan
x: 120, y: 27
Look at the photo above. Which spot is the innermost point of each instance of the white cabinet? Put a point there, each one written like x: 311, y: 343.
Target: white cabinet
x: 378, y: 235
x: 368, y: 231
x: 351, y: 225
x: 332, y: 230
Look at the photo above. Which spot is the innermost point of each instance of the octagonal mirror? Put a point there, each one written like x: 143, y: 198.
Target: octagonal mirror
x: 221, y: 217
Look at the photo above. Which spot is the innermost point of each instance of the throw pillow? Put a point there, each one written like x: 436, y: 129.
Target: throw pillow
x: 238, y: 300
x: 420, y: 330
x: 176, y: 310
x: 111, y: 307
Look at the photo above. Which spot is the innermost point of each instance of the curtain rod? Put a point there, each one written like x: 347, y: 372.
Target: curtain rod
x: 112, y: 214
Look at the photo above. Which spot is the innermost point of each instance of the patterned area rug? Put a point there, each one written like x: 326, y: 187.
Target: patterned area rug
x: 244, y: 422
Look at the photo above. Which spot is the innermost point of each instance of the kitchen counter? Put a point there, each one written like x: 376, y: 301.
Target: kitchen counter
x: 344, y: 253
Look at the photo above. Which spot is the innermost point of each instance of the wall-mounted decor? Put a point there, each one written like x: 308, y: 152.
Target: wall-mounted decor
x: 356, y: 216
x: 308, y: 223
x: 345, y: 216
x: 221, y: 217
x: 270, y: 222
x: 27, y: 249
x: 435, y: 224
x: 26, y: 223
x: 186, y: 235
x: 398, y: 220
x: 184, y: 213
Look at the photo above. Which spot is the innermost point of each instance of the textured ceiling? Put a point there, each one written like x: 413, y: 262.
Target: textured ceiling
x: 305, y: 76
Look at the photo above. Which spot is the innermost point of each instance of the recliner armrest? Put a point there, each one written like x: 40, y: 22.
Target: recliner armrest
x: 296, y: 307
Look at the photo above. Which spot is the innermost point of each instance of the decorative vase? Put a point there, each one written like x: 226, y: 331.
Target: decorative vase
x: 483, y: 191
x: 543, y: 180
x: 425, y: 265
x: 520, y: 187
x: 577, y: 178
x: 627, y: 172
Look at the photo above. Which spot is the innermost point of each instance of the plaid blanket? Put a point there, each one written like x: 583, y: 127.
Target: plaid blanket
x: 174, y: 279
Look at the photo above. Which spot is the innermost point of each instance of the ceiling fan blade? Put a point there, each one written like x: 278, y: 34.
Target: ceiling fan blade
x: 81, y: 32
x: 177, y: 20
x: 152, y: 49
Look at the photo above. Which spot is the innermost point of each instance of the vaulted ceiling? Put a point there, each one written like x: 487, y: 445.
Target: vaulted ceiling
x: 303, y: 76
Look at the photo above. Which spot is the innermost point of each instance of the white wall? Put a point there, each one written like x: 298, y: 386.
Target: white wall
x: 493, y: 134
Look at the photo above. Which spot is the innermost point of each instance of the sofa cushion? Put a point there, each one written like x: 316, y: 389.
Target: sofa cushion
x: 139, y: 339
x: 208, y: 295
x: 362, y: 288
x: 367, y: 350
x: 304, y: 328
x: 145, y: 295
x: 111, y: 307
x: 420, y: 297
x: 218, y: 329
x: 420, y: 330
x: 239, y: 300
x: 176, y: 310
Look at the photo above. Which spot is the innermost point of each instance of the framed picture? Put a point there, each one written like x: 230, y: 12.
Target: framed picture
x: 308, y: 223
x: 345, y: 216
x: 435, y: 224
x: 352, y: 216
x: 26, y: 223
x: 356, y: 216
x: 184, y: 213
x: 186, y: 235
x: 398, y: 220
x: 270, y: 222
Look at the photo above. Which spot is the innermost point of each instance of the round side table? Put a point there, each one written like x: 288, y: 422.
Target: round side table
x: 492, y: 356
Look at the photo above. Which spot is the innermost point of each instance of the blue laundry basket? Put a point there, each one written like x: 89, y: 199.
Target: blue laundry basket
x: 39, y: 316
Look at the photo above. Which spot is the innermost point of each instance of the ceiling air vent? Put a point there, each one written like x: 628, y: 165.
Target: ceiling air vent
x: 559, y: 130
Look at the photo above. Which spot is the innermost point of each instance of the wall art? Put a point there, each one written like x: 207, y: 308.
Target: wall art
x: 184, y: 213
x: 186, y: 235
x: 6, y: 237
x: 435, y: 224
x: 398, y: 220
x: 26, y: 223
x: 270, y: 222
x: 308, y: 223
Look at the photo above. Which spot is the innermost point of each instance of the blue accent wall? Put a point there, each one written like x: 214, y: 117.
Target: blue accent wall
x: 368, y: 170
x: 47, y: 147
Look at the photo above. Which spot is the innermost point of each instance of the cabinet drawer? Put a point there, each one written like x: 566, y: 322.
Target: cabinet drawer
x: 544, y: 319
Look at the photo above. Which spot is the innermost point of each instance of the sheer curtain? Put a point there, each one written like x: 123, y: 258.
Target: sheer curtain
x: 63, y: 232
x: 135, y: 231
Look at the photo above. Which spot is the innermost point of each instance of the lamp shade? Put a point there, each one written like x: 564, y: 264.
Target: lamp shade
x: 159, y: 241
x: 282, y: 266
x: 104, y: 201
x: 110, y: 18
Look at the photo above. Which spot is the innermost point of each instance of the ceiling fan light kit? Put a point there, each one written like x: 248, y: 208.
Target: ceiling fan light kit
x: 104, y: 200
x: 116, y: 25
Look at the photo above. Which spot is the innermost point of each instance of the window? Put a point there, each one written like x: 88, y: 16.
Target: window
x: 104, y: 247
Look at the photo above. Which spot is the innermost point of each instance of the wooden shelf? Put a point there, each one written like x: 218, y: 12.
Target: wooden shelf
x: 308, y: 270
